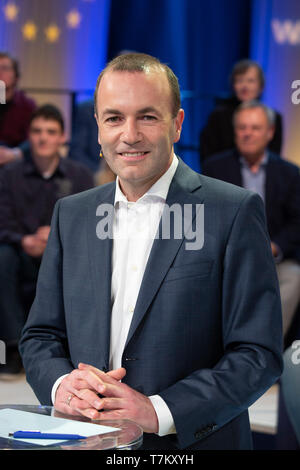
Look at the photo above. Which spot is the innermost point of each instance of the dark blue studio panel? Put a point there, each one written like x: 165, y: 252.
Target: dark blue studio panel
x: 200, y: 40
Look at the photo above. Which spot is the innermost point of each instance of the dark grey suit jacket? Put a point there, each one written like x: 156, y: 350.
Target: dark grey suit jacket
x: 206, y: 330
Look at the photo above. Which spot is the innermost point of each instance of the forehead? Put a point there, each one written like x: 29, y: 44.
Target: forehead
x: 42, y: 123
x: 250, y: 72
x: 6, y: 61
x: 135, y: 88
x: 252, y: 116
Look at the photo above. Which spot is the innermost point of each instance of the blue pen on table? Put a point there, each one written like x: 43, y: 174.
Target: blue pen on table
x: 44, y: 435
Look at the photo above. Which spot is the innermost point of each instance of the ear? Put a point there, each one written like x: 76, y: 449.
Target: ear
x: 178, y: 124
x: 271, y: 133
x: 96, y: 117
x: 63, y: 138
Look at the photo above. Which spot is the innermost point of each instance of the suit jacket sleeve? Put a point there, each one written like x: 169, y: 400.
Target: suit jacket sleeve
x: 251, y: 318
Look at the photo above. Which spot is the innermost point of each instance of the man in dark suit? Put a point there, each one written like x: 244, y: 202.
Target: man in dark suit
x: 177, y: 333
x: 277, y: 181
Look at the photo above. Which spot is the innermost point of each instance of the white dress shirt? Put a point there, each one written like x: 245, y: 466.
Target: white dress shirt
x: 134, y: 228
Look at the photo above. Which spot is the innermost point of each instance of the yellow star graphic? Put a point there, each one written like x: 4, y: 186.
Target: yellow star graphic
x: 52, y: 32
x: 11, y: 11
x: 73, y: 19
x: 29, y: 31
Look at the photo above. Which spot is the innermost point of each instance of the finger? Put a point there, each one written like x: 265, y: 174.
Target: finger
x: 74, y: 384
x: 89, y: 397
x: 74, y: 405
x: 103, y: 376
x: 112, y: 403
x: 117, y: 374
x: 82, y: 407
x: 112, y: 415
x: 77, y: 408
x: 92, y: 379
x: 117, y: 390
x: 107, y: 385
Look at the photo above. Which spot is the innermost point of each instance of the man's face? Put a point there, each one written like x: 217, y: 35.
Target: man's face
x: 136, y: 127
x: 252, y: 133
x: 247, y: 86
x: 7, y: 73
x: 45, y: 137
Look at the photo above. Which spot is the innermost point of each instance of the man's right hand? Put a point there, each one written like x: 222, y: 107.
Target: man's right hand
x: 80, y: 387
x: 33, y: 245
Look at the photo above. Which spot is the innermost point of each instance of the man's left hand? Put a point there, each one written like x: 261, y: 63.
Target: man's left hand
x: 123, y: 402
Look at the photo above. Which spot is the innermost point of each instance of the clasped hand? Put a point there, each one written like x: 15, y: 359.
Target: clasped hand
x: 118, y: 401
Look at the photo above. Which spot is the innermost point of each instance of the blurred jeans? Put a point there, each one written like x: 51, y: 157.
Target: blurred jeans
x: 16, y: 269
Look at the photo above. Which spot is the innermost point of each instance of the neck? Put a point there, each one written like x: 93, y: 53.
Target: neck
x: 133, y: 194
x: 254, y: 161
x: 46, y: 166
x: 134, y: 190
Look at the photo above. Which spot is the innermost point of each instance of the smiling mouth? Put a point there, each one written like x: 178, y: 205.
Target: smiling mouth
x: 133, y: 155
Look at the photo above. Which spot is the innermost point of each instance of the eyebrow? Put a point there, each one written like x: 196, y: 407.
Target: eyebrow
x: 148, y: 109
x: 111, y: 111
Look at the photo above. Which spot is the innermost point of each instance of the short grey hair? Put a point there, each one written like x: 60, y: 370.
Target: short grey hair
x: 269, y: 112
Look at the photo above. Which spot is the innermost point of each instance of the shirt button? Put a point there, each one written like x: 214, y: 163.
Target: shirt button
x: 134, y: 268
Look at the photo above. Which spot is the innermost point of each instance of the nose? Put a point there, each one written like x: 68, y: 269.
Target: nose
x: 246, y: 132
x: 131, y: 134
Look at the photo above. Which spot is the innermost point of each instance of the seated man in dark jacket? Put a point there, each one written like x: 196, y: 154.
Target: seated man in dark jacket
x: 278, y: 183
x: 29, y: 189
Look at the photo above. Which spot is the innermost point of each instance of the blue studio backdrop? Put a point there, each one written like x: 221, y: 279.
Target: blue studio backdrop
x: 275, y: 44
x: 62, y: 46
x: 199, y: 40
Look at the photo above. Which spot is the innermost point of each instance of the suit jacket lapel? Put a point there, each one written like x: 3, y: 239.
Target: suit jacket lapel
x: 100, y: 252
x: 163, y: 251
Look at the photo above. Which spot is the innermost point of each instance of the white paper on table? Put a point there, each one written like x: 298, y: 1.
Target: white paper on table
x: 16, y: 420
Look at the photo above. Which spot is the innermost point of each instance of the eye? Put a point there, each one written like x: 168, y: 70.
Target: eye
x: 148, y: 117
x: 113, y: 119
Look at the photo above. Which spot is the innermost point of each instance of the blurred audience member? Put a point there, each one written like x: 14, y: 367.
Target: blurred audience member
x: 277, y: 181
x: 84, y: 143
x: 15, y: 114
x: 247, y: 82
x: 29, y: 189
